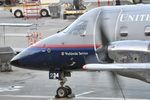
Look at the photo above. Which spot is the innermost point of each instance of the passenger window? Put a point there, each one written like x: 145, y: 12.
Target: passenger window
x: 147, y: 31
x: 124, y: 31
x: 79, y: 28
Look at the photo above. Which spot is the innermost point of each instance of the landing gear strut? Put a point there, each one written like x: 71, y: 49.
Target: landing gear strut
x: 62, y: 91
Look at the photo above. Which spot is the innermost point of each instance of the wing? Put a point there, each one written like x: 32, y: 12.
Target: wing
x: 117, y: 67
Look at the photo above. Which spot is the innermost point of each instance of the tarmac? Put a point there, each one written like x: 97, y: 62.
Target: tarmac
x: 24, y: 84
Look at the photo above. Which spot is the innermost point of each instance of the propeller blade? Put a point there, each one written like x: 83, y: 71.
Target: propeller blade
x: 102, y: 52
x: 117, y: 84
x: 113, y: 79
x: 104, y: 38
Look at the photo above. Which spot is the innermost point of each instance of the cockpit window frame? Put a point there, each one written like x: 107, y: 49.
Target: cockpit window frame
x: 89, y: 18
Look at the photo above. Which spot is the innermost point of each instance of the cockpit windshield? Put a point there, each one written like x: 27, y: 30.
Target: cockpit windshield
x: 78, y: 27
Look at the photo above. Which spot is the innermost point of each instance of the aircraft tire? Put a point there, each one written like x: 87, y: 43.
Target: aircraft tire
x: 61, y: 92
x: 69, y: 91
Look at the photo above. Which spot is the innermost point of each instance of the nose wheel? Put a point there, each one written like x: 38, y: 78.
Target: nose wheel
x: 69, y: 90
x: 61, y: 92
x: 64, y: 91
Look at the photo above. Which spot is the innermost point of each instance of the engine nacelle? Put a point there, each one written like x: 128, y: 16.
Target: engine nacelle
x: 130, y: 51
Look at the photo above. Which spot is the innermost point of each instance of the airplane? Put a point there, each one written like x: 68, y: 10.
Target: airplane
x: 110, y: 38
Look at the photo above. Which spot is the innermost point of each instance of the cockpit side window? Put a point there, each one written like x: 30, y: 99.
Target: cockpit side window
x: 79, y: 28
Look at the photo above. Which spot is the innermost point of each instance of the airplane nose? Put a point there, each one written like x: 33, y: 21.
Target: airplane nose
x: 32, y: 58
x: 15, y: 62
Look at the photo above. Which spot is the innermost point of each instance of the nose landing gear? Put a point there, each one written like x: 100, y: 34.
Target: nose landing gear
x: 62, y: 91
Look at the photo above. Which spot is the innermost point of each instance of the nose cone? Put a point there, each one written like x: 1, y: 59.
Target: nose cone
x: 36, y: 57
x: 15, y: 62
x: 32, y: 58
x: 18, y: 60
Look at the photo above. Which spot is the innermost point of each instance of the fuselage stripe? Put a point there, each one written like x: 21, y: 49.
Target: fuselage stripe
x: 66, y: 46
